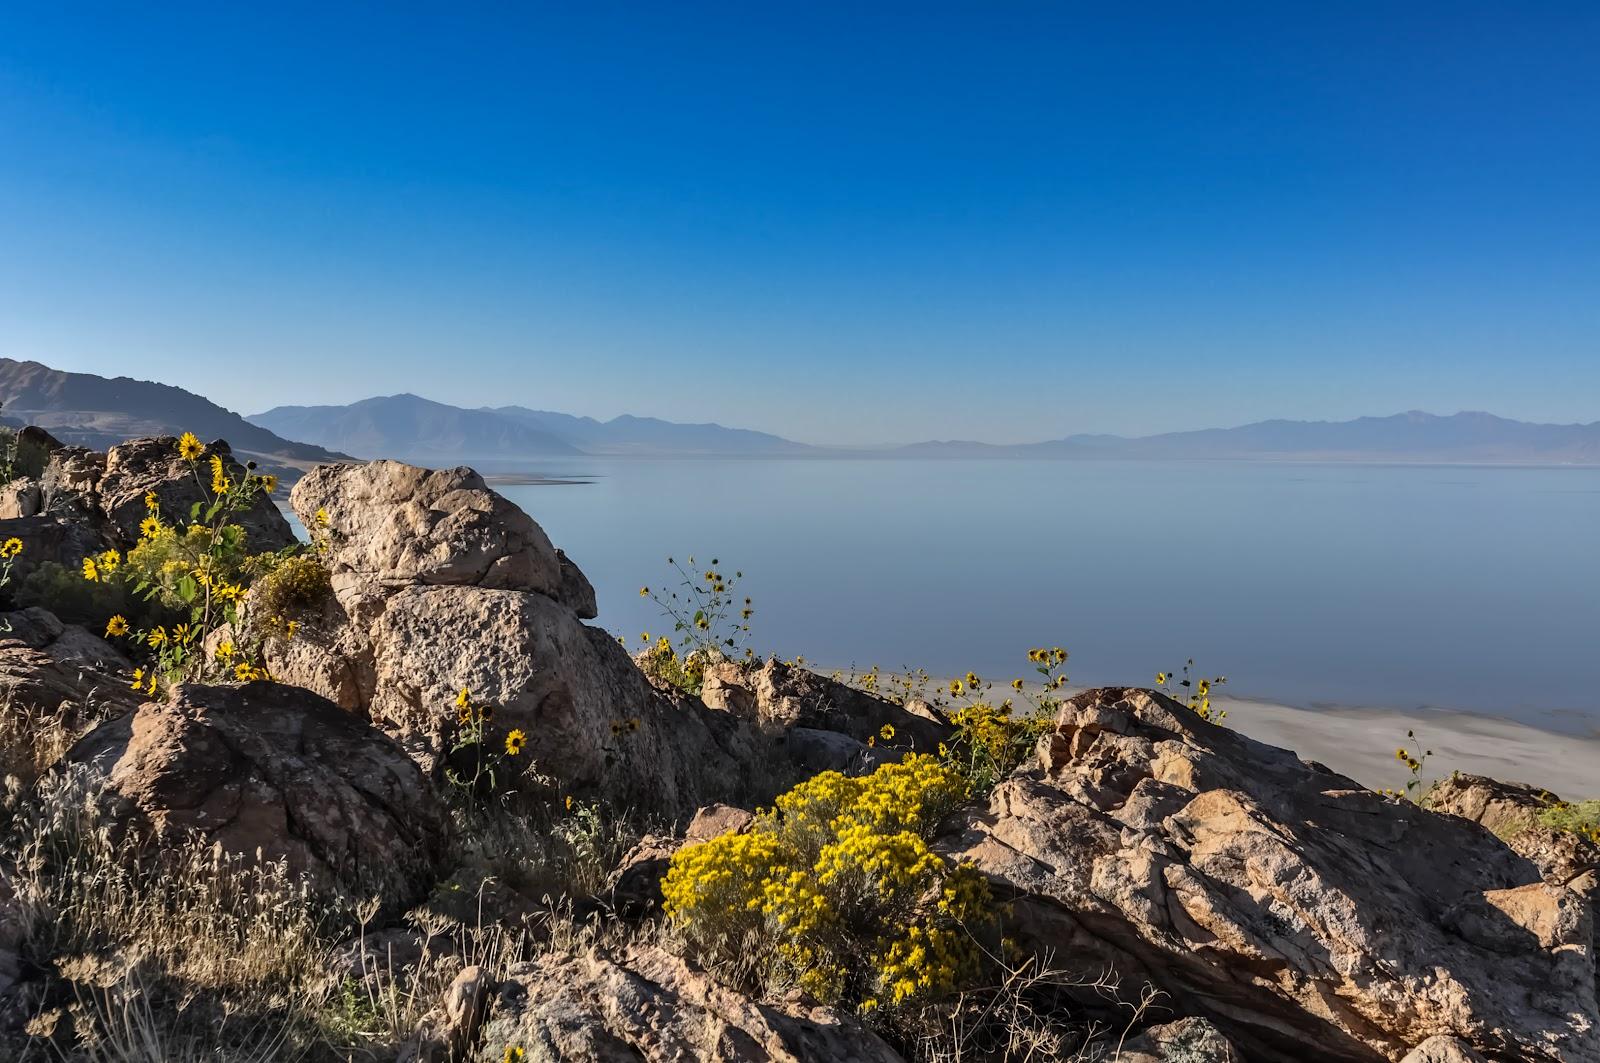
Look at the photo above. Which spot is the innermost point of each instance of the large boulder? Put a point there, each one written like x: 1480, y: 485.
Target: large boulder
x: 396, y: 524
x: 646, y: 1004
x: 45, y: 663
x: 591, y: 718
x: 440, y: 584
x: 275, y: 770
x: 141, y: 466
x: 1284, y: 903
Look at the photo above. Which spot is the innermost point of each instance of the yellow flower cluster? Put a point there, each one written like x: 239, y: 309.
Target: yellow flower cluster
x: 10, y: 548
x: 839, y: 884
x: 101, y: 566
x: 991, y: 740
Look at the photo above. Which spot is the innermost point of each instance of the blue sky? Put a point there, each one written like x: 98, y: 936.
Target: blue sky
x: 846, y: 224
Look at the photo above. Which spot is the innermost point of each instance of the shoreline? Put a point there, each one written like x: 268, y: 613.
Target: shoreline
x: 1360, y: 741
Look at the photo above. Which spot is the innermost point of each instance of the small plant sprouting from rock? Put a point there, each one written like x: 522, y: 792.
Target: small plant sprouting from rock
x: 1193, y: 691
x: 9, y: 552
x: 477, y: 760
x: 1414, y: 761
x: 990, y: 739
x: 835, y: 890
x: 709, y: 623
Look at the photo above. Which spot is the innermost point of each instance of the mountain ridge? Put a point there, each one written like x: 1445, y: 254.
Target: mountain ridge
x: 95, y: 411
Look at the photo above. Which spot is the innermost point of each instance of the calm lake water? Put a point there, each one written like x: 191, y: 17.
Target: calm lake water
x: 1449, y: 587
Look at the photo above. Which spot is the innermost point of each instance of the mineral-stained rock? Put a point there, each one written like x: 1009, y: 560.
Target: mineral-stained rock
x: 140, y: 466
x: 274, y: 769
x: 1284, y: 903
x: 45, y: 663
x: 782, y: 696
x: 440, y: 584
x: 645, y: 1004
x: 395, y: 524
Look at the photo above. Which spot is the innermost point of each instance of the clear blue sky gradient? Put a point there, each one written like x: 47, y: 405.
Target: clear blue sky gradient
x: 848, y: 224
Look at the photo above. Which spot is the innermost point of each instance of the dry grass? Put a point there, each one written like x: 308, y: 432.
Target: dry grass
x: 186, y: 955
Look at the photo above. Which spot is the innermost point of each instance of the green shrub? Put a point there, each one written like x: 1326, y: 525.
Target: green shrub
x: 292, y: 585
x: 1582, y: 817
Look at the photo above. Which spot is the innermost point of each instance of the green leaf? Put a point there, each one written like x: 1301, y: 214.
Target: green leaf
x: 194, y: 512
x: 187, y: 589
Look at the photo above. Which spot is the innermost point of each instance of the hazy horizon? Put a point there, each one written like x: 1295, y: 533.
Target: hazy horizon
x: 859, y: 227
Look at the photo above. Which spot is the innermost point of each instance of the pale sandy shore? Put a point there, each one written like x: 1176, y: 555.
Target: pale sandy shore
x: 1361, y: 742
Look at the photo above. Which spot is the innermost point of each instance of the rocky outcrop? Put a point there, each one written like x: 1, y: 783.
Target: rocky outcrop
x: 45, y: 663
x: 69, y: 503
x: 782, y: 696
x: 396, y: 525
x: 142, y: 466
x: 1514, y: 813
x: 1282, y: 902
x: 275, y: 770
x: 646, y: 1004
x: 440, y: 584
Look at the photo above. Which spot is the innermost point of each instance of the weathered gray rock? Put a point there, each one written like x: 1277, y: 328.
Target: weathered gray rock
x: 1284, y: 903
x: 331, y: 656
x: 813, y: 751
x: 590, y: 717
x: 645, y: 1004
x: 783, y: 696
x: 272, y: 769
x: 21, y: 497
x: 440, y: 584
x: 576, y: 592
x: 395, y: 525
x: 140, y: 466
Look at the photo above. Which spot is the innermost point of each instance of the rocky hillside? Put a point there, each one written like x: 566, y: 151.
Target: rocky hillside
x: 427, y: 811
x: 93, y: 411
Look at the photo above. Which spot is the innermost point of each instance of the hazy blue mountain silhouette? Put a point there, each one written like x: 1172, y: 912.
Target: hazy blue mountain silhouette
x: 96, y: 411
x: 411, y: 428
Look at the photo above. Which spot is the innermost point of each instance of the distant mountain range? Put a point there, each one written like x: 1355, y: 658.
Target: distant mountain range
x: 405, y: 426
x: 96, y: 411
x: 420, y: 430
x: 1404, y: 437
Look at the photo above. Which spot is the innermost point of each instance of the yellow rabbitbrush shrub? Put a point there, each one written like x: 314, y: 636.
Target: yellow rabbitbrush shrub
x: 836, y: 890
